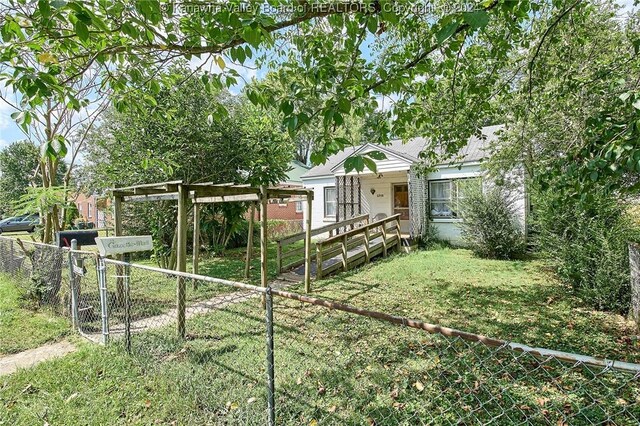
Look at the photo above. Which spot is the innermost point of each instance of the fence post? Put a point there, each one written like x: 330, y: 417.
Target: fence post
x: 319, y: 260
x: 73, y: 285
x: 247, y: 263
x: 271, y: 399
x: 102, y: 284
x: 367, y: 254
x: 398, y: 234
x: 127, y: 303
x: 279, y: 255
x: 345, y: 253
x: 307, y: 244
x: 384, y: 238
x: 634, y: 266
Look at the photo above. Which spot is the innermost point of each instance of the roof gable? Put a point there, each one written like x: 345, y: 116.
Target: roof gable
x: 393, y: 158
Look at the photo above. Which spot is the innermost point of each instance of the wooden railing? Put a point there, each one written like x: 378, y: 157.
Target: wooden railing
x: 290, y: 256
x: 357, y: 246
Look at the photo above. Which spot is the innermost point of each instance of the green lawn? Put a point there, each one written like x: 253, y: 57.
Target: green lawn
x: 22, y: 328
x: 518, y: 301
x: 336, y: 368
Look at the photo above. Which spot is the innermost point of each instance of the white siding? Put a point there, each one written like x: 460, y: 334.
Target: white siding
x: 317, y: 213
x: 448, y: 229
x: 382, y: 200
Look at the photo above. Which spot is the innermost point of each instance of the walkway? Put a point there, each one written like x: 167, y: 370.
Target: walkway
x: 29, y: 358
x: 11, y: 363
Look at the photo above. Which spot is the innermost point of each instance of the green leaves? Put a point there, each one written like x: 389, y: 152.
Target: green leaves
x: 352, y: 163
x: 150, y: 9
x: 81, y: 30
x: 446, y: 31
x: 476, y: 19
x: 377, y: 155
x: 359, y: 162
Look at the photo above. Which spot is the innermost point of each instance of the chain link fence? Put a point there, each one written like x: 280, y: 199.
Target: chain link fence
x: 40, y: 271
x: 337, y: 367
x: 239, y: 354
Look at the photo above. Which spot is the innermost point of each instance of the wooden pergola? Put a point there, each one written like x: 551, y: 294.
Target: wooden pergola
x: 204, y: 193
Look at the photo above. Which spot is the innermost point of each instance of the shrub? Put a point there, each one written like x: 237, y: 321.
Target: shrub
x: 490, y: 227
x: 588, y: 245
x: 430, y: 239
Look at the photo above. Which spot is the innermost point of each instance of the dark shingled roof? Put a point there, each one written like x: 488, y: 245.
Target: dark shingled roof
x: 475, y: 150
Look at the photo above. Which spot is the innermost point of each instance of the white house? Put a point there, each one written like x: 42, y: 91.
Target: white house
x: 398, y: 188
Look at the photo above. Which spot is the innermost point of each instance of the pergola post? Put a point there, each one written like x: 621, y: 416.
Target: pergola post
x: 117, y: 219
x: 307, y: 244
x: 263, y: 237
x: 117, y: 215
x: 196, y: 238
x: 181, y: 261
x: 247, y: 265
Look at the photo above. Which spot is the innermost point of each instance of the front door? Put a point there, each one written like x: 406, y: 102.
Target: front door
x: 401, y: 200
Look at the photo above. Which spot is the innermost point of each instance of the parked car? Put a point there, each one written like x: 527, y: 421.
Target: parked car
x: 20, y: 223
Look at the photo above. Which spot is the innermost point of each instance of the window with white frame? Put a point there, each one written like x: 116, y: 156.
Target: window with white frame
x: 330, y: 201
x: 90, y: 210
x: 298, y: 206
x: 445, y: 196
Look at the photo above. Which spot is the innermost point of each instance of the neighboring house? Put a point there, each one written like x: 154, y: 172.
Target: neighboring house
x: 398, y: 188
x: 94, y: 209
x: 288, y: 208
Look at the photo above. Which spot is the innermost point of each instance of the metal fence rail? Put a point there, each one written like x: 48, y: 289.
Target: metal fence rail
x: 270, y: 356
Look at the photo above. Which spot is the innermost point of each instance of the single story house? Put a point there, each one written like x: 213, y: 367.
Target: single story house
x: 398, y: 188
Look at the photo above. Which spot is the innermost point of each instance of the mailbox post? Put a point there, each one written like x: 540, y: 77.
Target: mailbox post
x: 75, y: 240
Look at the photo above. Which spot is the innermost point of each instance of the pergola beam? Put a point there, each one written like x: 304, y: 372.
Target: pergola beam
x: 156, y: 197
x: 221, y: 191
x: 226, y: 199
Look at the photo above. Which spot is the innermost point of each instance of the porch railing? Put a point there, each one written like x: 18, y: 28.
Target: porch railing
x: 291, y: 255
x: 357, y: 246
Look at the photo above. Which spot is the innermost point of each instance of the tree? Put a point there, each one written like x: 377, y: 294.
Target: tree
x: 18, y: 171
x: 181, y: 139
x: 319, y: 47
x: 574, y: 112
x: 58, y: 128
x: 573, y: 127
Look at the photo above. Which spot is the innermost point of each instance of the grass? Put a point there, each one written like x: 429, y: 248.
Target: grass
x: 517, y: 301
x: 336, y: 368
x: 22, y: 328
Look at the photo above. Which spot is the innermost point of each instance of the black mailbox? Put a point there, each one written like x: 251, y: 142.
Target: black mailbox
x: 84, y: 238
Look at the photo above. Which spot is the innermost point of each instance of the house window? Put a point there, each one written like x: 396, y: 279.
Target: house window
x: 90, y: 211
x: 330, y: 201
x: 298, y: 206
x: 445, y: 196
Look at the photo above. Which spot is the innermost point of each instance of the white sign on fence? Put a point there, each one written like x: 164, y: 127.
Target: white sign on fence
x: 120, y: 245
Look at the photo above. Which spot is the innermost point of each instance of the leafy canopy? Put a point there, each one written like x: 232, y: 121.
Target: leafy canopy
x: 348, y: 53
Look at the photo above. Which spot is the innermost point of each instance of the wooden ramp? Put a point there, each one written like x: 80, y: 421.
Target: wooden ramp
x: 348, y: 249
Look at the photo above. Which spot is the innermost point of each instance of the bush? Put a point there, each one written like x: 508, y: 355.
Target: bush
x: 588, y: 245
x: 430, y: 239
x: 491, y: 227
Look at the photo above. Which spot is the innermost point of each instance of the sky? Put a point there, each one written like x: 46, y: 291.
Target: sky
x: 10, y: 132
